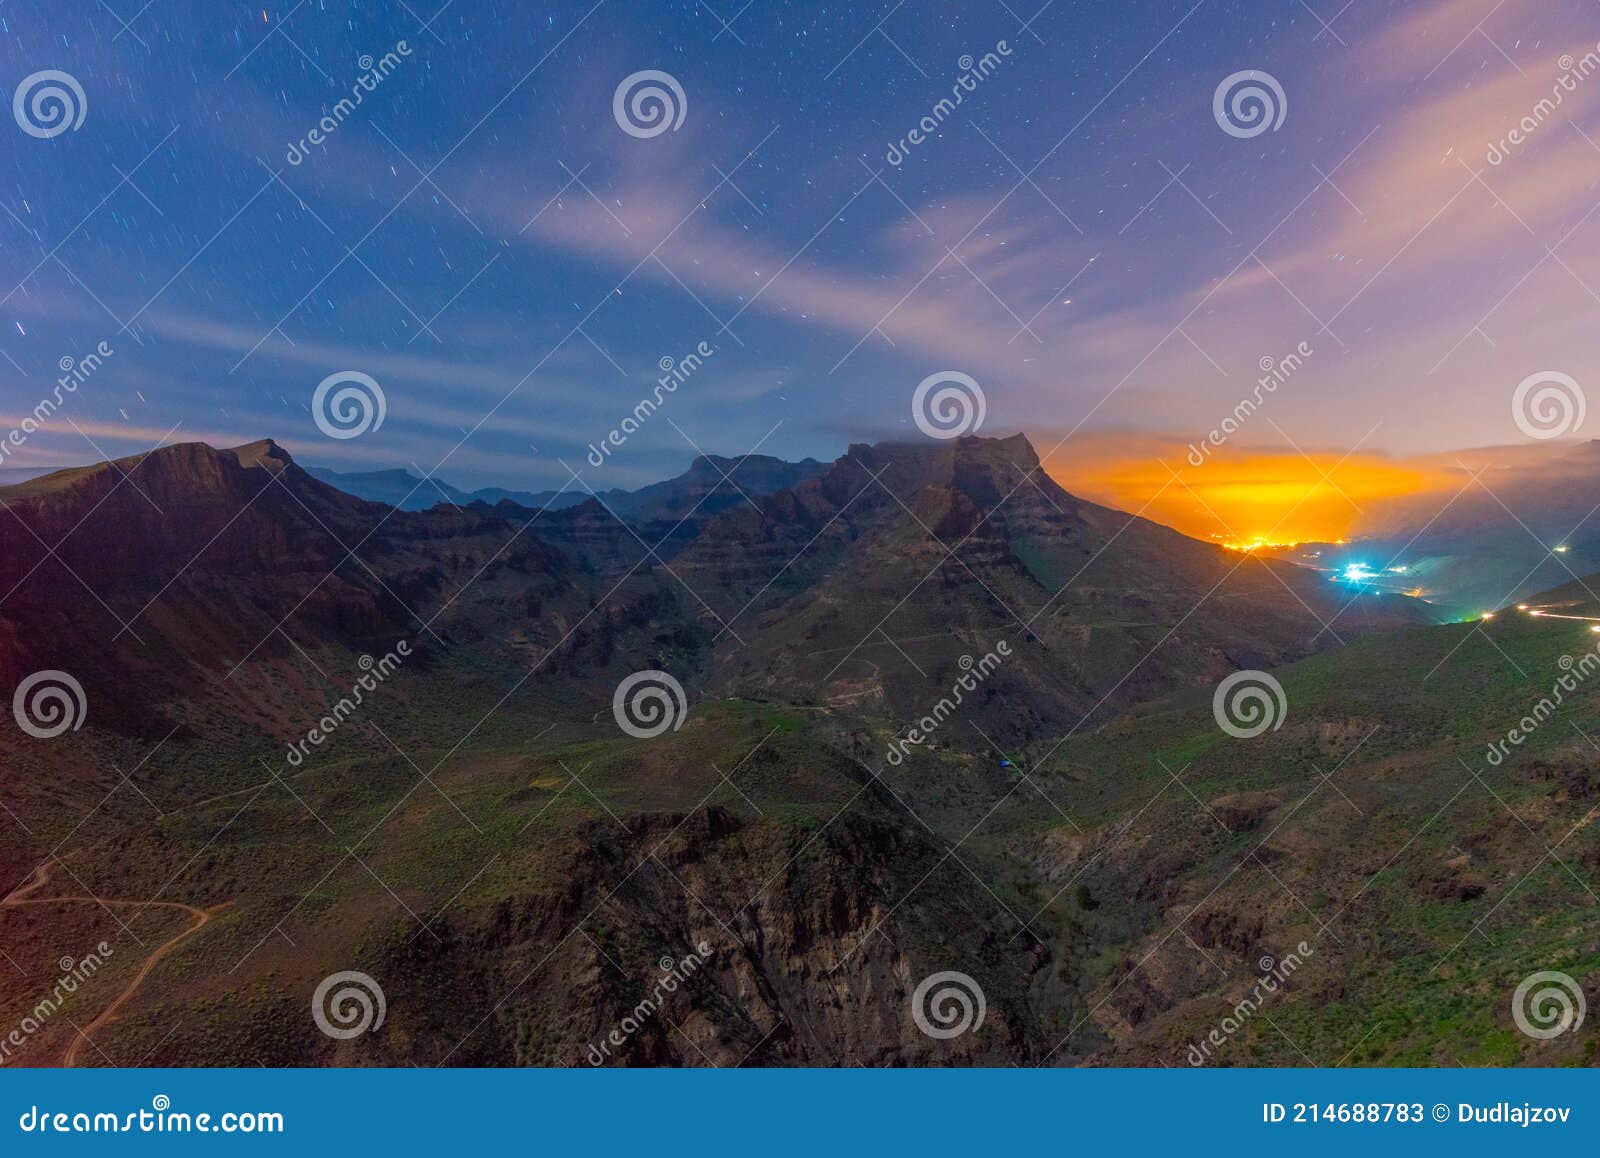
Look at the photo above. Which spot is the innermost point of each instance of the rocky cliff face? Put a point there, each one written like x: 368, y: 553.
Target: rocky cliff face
x: 777, y: 954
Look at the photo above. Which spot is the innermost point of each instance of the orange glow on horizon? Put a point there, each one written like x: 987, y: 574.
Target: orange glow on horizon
x: 1257, y: 545
x: 1242, y: 499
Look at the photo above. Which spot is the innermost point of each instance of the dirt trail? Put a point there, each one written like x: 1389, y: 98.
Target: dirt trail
x: 39, y: 878
x: 202, y: 916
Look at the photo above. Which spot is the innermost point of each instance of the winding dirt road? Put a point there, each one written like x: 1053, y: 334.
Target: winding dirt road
x: 41, y: 877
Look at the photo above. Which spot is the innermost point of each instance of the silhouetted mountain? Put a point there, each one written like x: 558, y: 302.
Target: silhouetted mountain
x: 711, y: 483
x: 865, y: 589
x: 159, y: 576
x: 400, y: 488
x: 861, y: 586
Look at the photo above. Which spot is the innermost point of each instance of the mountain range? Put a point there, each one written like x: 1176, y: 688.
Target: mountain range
x: 488, y: 834
x: 196, y: 560
x: 716, y: 480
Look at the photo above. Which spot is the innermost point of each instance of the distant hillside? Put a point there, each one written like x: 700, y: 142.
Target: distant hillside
x: 12, y: 475
x: 409, y: 492
x: 1492, y: 539
x: 715, y: 479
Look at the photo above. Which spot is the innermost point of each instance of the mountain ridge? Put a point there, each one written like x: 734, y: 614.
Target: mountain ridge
x: 397, y: 486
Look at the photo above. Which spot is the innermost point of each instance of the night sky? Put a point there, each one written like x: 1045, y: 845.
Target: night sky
x: 482, y: 238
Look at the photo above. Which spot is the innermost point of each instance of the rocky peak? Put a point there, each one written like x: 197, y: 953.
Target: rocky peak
x: 980, y: 470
